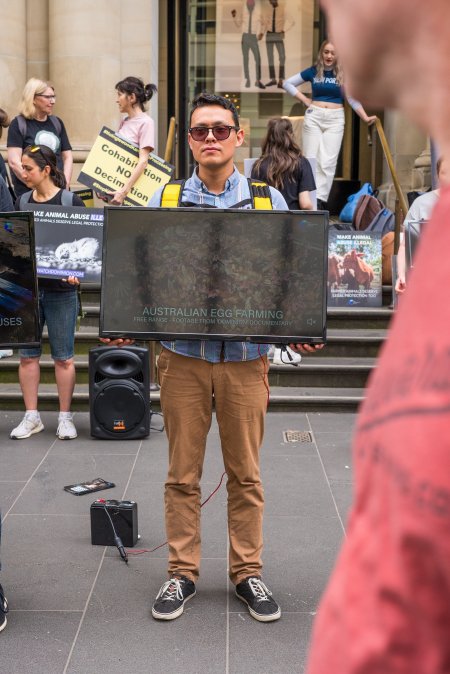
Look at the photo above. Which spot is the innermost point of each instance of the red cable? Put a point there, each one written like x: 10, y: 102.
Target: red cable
x: 142, y: 550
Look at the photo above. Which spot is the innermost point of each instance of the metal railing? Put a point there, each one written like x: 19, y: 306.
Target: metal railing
x: 401, y: 207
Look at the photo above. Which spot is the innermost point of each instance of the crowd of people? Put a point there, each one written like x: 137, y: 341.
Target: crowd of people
x: 386, y: 608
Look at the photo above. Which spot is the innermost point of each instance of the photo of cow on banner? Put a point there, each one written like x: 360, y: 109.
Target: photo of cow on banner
x: 354, y: 268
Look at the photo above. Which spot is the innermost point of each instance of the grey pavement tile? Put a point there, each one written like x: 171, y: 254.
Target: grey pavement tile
x: 37, y: 642
x: 45, y: 493
x: 270, y: 648
x: 48, y: 562
x: 298, y: 555
x: 295, y: 486
x: 332, y: 421
x: 336, y: 454
x: 192, y: 644
x: 343, y: 495
x: 8, y: 492
x: 20, y: 458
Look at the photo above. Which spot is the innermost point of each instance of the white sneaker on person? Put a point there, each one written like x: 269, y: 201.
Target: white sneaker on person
x: 66, y: 429
x: 280, y: 357
x: 30, y: 424
x: 6, y: 353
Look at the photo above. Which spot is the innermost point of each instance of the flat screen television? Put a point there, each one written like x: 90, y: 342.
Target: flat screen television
x: 19, y: 316
x: 226, y: 274
x: 413, y: 230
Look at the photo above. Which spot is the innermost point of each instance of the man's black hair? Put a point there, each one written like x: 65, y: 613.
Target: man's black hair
x: 203, y: 99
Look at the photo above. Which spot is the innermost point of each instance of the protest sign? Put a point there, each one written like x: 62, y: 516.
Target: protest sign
x: 110, y: 163
x: 354, y: 268
x: 68, y: 241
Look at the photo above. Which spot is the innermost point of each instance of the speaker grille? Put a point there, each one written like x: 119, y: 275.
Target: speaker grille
x: 138, y: 377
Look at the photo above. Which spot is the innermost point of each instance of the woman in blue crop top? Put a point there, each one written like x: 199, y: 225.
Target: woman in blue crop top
x: 323, y: 126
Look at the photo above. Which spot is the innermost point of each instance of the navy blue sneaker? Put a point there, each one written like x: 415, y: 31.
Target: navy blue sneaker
x: 170, y: 600
x: 258, y: 598
x: 3, y: 609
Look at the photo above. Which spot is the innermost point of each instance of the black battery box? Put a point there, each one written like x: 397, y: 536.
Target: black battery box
x: 124, y: 517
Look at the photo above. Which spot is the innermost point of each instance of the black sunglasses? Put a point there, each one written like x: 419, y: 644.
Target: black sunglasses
x: 220, y: 132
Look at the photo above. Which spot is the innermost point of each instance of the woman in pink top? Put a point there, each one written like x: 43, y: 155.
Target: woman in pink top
x: 136, y: 127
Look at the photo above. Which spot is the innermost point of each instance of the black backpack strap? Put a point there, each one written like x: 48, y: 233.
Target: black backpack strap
x: 22, y: 124
x: 56, y: 123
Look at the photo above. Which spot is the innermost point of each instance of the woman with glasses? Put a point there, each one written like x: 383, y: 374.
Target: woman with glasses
x: 136, y: 127
x: 58, y: 305
x: 36, y: 125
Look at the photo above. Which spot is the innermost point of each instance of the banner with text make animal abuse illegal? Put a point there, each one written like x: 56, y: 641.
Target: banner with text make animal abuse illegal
x: 110, y: 164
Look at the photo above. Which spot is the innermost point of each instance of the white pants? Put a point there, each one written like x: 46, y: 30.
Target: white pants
x: 323, y: 129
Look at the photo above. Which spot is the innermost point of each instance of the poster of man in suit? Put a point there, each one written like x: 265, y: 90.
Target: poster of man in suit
x: 259, y: 42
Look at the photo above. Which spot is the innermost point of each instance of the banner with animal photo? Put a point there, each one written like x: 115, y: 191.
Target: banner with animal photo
x: 354, y: 268
x: 69, y: 241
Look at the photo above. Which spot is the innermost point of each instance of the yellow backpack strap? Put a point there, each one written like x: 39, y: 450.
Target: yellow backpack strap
x: 172, y: 193
x: 260, y: 194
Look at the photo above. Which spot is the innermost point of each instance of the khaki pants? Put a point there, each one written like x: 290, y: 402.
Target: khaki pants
x: 240, y: 396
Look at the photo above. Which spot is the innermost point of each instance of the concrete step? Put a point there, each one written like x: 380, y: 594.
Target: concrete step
x: 312, y: 372
x: 281, y: 399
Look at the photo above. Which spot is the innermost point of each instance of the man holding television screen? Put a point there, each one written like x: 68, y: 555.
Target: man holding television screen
x: 191, y: 374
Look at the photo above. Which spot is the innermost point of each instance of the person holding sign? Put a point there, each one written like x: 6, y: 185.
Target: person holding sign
x: 136, y: 127
x: 193, y: 373
x: 37, y: 125
x: 58, y: 305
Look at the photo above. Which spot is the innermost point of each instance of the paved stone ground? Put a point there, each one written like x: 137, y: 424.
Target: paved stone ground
x: 78, y: 609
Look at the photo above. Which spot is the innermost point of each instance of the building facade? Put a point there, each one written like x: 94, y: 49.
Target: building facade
x: 237, y: 48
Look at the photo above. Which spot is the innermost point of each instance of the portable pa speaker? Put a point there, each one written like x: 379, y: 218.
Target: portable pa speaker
x: 119, y: 392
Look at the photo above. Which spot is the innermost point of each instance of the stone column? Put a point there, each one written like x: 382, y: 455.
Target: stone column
x: 85, y: 52
x: 37, y: 39
x: 13, y: 54
x: 139, y: 46
x: 407, y: 143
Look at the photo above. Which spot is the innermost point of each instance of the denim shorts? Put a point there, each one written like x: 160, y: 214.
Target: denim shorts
x: 59, y: 311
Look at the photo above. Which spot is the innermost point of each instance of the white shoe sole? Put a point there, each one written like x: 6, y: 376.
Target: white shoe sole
x: 67, y: 437
x: 38, y: 429
x: 258, y: 616
x: 175, y: 614
x: 2, y: 627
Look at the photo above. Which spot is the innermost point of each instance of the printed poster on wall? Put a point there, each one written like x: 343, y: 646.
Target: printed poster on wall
x: 69, y: 241
x: 354, y: 268
x: 262, y: 41
x: 19, y: 317
x: 110, y: 163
